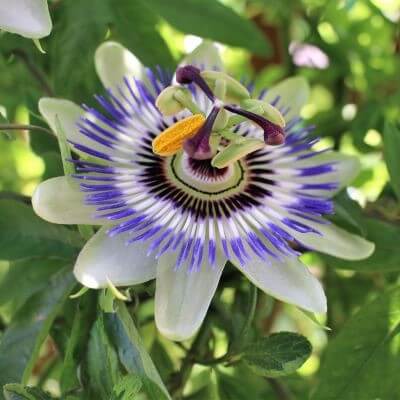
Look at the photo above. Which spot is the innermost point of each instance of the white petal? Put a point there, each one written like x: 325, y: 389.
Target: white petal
x: 205, y: 55
x: 337, y: 242
x: 68, y: 114
x: 59, y: 200
x: 292, y: 92
x: 289, y: 281
x: 29, y: 18
x: 183, y: 297
x: 109, y: 258
x: 114, y: 62
x: 346, y: 169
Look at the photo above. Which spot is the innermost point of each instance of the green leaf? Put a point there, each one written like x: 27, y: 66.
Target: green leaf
x: 77, y: 343
x: 348, y: 214
x: 362, y: 362
x: 73, y: 44
x: 386, y: 256
x: 230, y: 388
x: 127, y: 387
x: 135, y: 28
x: 132, y: 353
x: 103, y: 366
x: 211, y: 19
x: 278, y: 354
x: 162, y: 359
x: 209, y: 391
x: 53, y: 165
x: 15, y: 391
x: 14, y: 291
x: 391, y: 151
x: 23, y: 234
x: 21, y: 341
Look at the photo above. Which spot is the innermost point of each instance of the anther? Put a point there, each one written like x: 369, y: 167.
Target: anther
x: 273, y: 134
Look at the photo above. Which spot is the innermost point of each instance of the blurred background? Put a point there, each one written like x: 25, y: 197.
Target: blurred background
x: 349, y: 51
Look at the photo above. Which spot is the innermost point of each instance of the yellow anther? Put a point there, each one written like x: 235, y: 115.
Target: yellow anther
x: 170, y: 141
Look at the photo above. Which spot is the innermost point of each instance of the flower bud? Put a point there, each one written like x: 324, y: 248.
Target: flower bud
x: 235, y: 91
x: 236, y: 151
x: 167, y: 103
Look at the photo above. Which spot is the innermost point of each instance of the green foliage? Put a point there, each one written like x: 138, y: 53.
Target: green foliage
x: 362, y: 361
x: 78, y: 341
x: 14, y: 391
x: 148, y: 44
x: 278, y: 354
x: 391, y: 153
x: 210, y: 19
x: 76, y: 31
x: 102, y: 362
x: 36, y: 273
x: 23, y: 234
x: 385, y: 257
x: 127, y: 387
x: 21, y: 341
x: 104, y: 349
x: 132, y: 353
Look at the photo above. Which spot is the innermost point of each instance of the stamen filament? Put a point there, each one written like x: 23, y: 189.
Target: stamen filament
x: 198, y: 147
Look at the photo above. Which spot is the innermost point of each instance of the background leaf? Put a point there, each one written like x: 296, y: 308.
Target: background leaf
x: 14, y: 391
x: 211, y: 19
x: 36, y: 273
x: 278, y: 354
x: 23, y: 234
x: 21, y: 341
x: 134, y: 26
x: 132, y: 353
x: 391, y: 151
x: 362, y: 361
x: 102, y: 362
x: 85, y: 314
x: 386, y: 256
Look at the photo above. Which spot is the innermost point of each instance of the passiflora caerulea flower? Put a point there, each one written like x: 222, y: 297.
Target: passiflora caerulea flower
x: 29, y: 18
x: 188, y: 171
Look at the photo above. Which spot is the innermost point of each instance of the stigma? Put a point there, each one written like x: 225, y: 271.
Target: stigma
x: 214, y: 136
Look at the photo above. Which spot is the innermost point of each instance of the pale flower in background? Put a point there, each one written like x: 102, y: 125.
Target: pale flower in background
x: 28, y: 18
x: 308, y: 55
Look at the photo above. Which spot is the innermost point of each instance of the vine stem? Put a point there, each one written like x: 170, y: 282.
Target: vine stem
x: 36, y: 73
x: 14, y: 127
x: 281, y: 391
x: 188, y: 362
x: 232, y: 354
